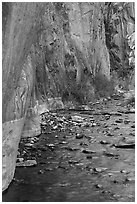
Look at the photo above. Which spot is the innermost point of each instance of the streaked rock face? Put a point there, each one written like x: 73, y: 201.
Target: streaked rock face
x: 50, y: 50
x: 51, y: 40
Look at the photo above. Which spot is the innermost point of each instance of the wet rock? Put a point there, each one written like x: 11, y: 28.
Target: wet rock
x: 35, y: 139
x: 115, y: 181
x: 85, y: 125
x: 99, y: 170
x: 71, y: 148
x: 83, y: 144
x: 63, y: 142
x: 42, y: 148
x: 64, y: 184
x: 106, y: 192
x: 24, y: 153
x: 76, y: 118
x: 28, y: 145
x: 120, y: 120
x: 124, y: 171
x: 89, y: 157
x: 116, y: 128
x: 109, y: 154
x: 129, y: 179
x: 88, y: 151
x: 93, y: 124
x: 79, y: 136
x: 104, y: 142
x: 63, y: 165
x: 131, y: 111
x: 109, y: 134
x: 55, y: 127
x: 32, y: 142
x: 98, y: 186
x: 110, y: 174
x: 20, y: 159
x: 132, y: 134
x: 116, y: 113
x: 126, y: 121
x: 41, y: 171
x: 109, y: 98
x: 125, y: 146
x: 107, y: 117
x: 73, y: 162
x: 48, y: 169
x: 50, y: 145
x: 27, y: 163
x: 85, y: 107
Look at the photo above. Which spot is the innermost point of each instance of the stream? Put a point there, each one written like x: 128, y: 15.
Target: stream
x: 83, y: 155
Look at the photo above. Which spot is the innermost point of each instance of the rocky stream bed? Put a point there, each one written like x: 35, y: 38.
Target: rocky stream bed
x: 86, y: 154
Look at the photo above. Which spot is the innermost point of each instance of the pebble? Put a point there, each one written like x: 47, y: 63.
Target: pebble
x: 107, y: 117
x: 110, y: 174
x: 109, y: 154
x: 116, y: 128
x: 124, y: 171
x: 104, y: 142
x: 110, y: 134
x: 73, y: 162
x: 132, y: 133
x: 86, y: 125
x: 50, y: 145
x: 40, y: 172
x: 64, y: 184
x: 77, y: 118
x: 98, y: 186
x: 63, y: 142
x: 88, y: 151
x: 94, y: 124
x: 115, y: 181
x: 71, y: 148
x: 99, y: 170
x: 126, y: 121
x: 132, y: 146
x: 28, y: 145
x: 83, y: 144
x: 48, y: 169
x: 79, y: 136
x: 130, y: 179
x: 89, y: 157
x: 119, y: 121
x: 32, y: 142
x: 20, y: 159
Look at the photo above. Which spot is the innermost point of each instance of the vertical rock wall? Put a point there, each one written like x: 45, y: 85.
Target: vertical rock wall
x: 20, y: 26
x: 49, y: 50
x: 120, y: 38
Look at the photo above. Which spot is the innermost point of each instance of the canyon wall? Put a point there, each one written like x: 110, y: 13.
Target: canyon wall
x: 49, y: 51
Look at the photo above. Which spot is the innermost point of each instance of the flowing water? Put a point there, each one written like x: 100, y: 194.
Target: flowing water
x: 82, y: 156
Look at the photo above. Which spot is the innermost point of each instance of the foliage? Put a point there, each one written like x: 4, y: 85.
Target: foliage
x: 116, y: 17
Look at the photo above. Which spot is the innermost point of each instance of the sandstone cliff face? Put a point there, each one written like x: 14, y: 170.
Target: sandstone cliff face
x: 44, y: 44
